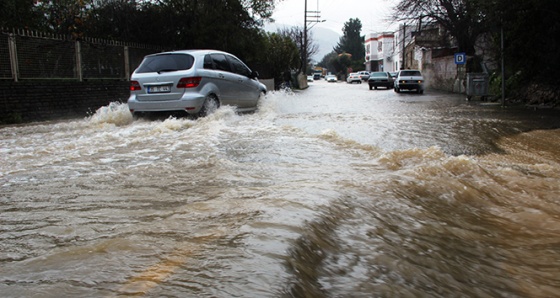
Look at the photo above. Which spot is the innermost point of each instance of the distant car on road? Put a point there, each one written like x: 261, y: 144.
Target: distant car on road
x: 353, y: 78
x: 364, y: 75
x: 409, y: 80
x: 193, y: 81
x: 380, y: 79
x: 310, y: 78
x: 331, y: 78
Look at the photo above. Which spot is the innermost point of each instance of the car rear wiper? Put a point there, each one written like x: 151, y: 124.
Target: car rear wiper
x: 166, y: 70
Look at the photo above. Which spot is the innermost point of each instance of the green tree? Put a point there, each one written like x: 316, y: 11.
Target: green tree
x: 352, y: 42
x: 280, y: 54
x: 18, y: 14
x: 122, y: 20
x: 464, y: 20
x: 337, y: 63
x: 309, y: 48
x: 531, y: 30
x: 259, y: 10
x: 342, y: 62
x: 326, y: 61
x: 231, y: 25
x: 62, y: 16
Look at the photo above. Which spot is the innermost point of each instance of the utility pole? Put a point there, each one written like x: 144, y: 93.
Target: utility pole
x: 304, y: 50
x: 403, y: 46
x: 310, y: 16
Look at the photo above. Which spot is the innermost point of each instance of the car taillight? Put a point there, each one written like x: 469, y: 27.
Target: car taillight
x: 189, y: 82
x: 135, y: 86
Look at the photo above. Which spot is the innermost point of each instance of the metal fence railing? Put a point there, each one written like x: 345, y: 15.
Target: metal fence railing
x: 28, y: 54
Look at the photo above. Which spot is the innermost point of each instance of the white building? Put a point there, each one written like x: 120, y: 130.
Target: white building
x: 392, y: 51
x: 380, y: 52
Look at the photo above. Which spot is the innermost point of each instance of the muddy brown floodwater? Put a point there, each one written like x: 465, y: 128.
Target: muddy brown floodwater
x: 336, y: 191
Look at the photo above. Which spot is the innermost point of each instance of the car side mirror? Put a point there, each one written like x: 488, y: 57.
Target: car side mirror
x: 254, y: 75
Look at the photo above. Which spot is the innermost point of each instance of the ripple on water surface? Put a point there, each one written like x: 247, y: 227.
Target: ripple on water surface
x: 294, y: 199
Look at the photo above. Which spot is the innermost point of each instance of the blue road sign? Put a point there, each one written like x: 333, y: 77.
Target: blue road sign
x: 460, y: 58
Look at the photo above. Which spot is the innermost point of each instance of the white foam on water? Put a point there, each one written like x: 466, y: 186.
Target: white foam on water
x: 115, y: 113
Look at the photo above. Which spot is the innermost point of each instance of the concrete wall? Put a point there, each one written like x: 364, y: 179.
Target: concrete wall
x: 443, y: 74
x: 30, y: 101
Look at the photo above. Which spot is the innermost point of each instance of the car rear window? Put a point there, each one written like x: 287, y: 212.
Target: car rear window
x: 379, y: 74
x: 410, y: 73
x: 166, y: 62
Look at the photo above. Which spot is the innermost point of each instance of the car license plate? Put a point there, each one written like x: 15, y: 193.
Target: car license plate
x: 159, y: 89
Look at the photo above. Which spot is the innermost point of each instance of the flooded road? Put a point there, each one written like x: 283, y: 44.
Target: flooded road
x: 336, y: 191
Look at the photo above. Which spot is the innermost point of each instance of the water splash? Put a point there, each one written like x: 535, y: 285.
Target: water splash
x: 173, y: 124
x: 116, y: 113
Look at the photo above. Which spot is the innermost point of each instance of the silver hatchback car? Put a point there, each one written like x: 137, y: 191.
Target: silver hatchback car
x: 194, y: 81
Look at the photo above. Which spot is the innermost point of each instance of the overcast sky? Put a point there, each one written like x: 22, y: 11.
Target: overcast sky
x: 372, y: 13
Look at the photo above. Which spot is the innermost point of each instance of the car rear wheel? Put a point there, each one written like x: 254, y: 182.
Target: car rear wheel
x: 211, y: 104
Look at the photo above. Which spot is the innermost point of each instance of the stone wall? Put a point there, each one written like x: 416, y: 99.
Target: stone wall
x: 42, y: 100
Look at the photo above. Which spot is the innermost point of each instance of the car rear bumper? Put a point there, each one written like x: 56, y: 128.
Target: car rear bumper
x: 410, y: 86
x: 191, y: 103
x: 380, y: 84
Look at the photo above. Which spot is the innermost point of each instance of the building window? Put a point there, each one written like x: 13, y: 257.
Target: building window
x: 380, y: 46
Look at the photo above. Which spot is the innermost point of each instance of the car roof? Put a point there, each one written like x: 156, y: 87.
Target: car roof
x: 410, y: 70
x: 193, y: 52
